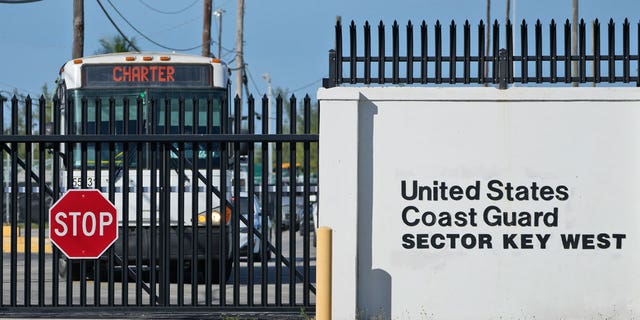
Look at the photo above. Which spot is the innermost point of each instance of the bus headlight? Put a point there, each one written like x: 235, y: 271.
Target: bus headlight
x: 216, y: 217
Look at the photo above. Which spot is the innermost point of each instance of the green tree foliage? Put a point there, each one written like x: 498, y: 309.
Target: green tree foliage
x: 286, y: 98
x: 116, y: 44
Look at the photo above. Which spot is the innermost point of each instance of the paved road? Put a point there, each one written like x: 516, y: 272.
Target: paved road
x: 36, y: 289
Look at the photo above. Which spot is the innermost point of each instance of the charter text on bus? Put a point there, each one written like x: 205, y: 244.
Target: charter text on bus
x: 152, y: 73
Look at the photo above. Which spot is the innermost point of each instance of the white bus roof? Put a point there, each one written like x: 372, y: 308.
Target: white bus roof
x: 73, y: 77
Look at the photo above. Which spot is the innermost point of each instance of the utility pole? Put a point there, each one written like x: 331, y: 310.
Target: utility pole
x: 239, y: 48
x: 218, y: 13
x: 78, y: 29
x: 508, y: 12
x: 574, y: 40
x: 206, y: 29
x: 271, y: 121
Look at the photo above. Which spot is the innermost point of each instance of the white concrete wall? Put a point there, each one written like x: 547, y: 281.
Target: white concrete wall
x: 582, y: 143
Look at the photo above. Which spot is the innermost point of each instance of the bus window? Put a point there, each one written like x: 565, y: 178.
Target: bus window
x: 206, y: 102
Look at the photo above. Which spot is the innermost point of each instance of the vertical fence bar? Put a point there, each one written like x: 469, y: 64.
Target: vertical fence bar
x: 181, y: 202
x: 28, y: 150
x: 452, y: 52
x: 97, y: 185
x: 353, y: 53
x: 251, y: 214
x: 333, y: 74
x: 112, y: 198
x: 503, y: 70
x: 292, y: 201
x: 567, y: 52
x: 208, y: 265
x: 266, y: 209
x: 70, y: 130
x: 13, y: 285
x: 381, y: 54
x: 83, y: 185
x: 496, y: 52
x: 509, y: 39
x: 409, y: 53
x: 124, y: 259
x: 153, y: 111
x: 55, y: 258
x: 42, y: 112
x: 222, y: 248
x: 582, y: 44
x: 438, y: 44
x: 481, y: 56
x: 625, y: 52
x: 338, y: 52
x: 538, y: 52
x: 553, y: 51
x: 424, y: 46
x: 524, y: 51
x: 222, y: 265
x: 278, y: 284
x: 164, y: 209
x: 195, y: 205
x: 395, y: 40
x: 235, y: 216
x: 306, y: 219
x: 467, y: 52
x: 596, y: 52
x: 139, y: 193
x: 367, y: 53
x: 612, y: 52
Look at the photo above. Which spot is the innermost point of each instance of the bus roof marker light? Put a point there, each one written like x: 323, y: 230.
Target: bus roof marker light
x: 215, y: 60
x: 147, y: 58
x: 130, y: 58
x: 77, y: 61
x: 165, y: 58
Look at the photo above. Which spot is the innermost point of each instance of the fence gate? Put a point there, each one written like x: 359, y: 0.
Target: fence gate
x: 204, y: 228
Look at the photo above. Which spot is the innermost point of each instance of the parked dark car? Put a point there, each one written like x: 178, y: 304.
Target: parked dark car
x: 22, y: 207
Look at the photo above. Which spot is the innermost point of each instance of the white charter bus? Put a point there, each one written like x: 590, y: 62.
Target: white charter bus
x: 151, y: 93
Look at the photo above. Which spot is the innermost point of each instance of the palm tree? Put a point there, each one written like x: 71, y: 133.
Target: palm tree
x: 116, y: 43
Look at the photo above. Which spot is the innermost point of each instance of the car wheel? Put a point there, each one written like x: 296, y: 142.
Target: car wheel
x: 227, y: 270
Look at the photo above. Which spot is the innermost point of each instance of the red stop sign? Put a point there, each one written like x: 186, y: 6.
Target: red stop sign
x: 83, y: 224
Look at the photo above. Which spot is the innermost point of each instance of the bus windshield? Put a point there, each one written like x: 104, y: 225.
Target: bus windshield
x: 145, y: 111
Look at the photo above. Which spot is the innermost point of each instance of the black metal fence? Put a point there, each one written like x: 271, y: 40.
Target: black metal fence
x: 159, y: 264
x: 539, y: 60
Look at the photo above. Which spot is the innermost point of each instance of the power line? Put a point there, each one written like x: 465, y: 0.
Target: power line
x: 145, y: 36
x: 116, y: 26
x: 169, y: 12
x: 253, y: 82
x: 18, y: 1
x: 305, y: 86
x: 16, y: 89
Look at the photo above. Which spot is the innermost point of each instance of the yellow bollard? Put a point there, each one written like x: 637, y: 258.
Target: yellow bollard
x: 323, y: 275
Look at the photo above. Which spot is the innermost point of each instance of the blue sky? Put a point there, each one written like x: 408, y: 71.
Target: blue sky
x: 289, y: 39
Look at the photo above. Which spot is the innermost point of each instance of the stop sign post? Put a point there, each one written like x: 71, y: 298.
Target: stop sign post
x: 83, y: 224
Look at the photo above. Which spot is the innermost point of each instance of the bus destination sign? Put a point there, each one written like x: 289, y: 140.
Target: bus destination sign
x: 146, y: 75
